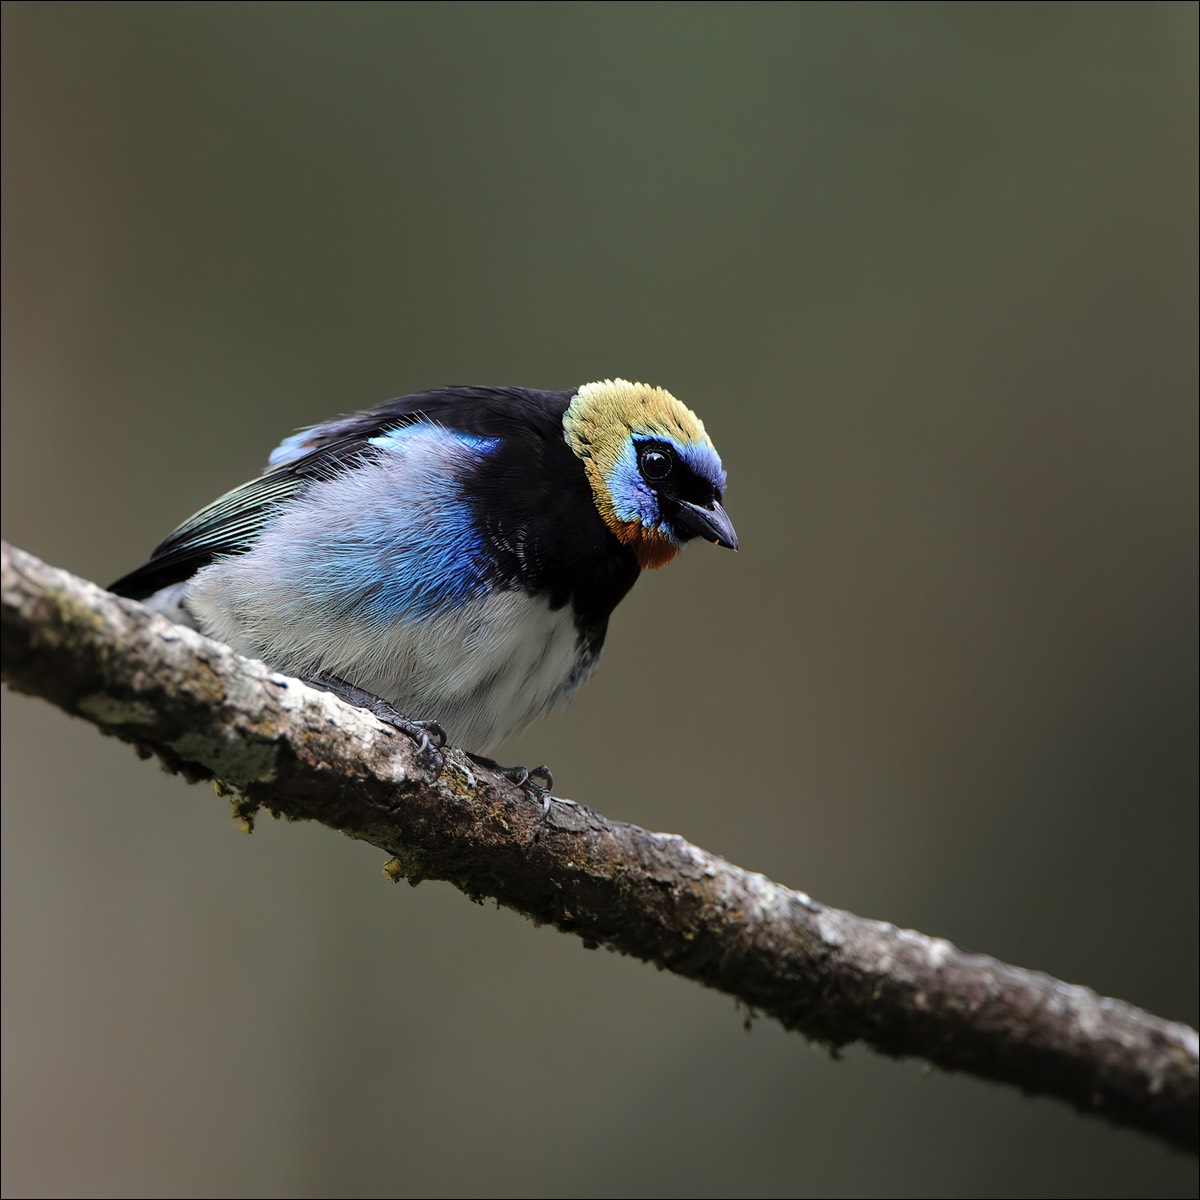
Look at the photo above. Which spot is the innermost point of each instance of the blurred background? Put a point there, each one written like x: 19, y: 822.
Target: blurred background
x: 927, y: 272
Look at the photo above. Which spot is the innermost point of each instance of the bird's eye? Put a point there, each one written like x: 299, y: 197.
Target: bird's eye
x: 655, y: 464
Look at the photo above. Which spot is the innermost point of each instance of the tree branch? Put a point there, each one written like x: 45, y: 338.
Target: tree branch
x: 273, y: 743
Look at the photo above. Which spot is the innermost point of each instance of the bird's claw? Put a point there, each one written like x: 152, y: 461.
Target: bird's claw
x: 436, y: 732
x: 536, y: 783
x: 429, y: 736
x: 543, y: 773
x: 522, y: 776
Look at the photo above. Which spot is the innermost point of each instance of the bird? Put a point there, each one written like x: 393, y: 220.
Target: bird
x: 449, y: 559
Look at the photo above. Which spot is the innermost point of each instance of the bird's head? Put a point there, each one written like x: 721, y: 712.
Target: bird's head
x: 656, y: 478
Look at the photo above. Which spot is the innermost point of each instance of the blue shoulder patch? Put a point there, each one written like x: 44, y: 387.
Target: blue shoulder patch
x: 291, y: 448
x: 392, y: 537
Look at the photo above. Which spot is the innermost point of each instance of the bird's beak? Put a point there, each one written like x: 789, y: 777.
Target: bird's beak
x: 710, y: 522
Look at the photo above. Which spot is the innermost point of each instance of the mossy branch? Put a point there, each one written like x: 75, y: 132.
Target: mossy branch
x: 275, y: 744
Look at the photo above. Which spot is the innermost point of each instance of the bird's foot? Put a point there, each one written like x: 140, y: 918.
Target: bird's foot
x: 429, y: 736
x: 535, y: 782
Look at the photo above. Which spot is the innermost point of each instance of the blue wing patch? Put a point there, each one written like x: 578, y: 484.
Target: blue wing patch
x: 380, y: 529
x: 391, y: 538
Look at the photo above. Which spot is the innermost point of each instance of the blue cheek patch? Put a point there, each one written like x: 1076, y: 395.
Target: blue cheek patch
x: 632, y: 497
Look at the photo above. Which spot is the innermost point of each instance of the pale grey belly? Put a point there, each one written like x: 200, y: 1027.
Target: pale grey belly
x: 485, y: 670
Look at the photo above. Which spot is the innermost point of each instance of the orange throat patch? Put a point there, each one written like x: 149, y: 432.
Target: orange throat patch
x: 651, y: 548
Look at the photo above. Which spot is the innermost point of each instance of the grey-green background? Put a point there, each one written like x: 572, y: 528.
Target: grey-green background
x: 928, y: 272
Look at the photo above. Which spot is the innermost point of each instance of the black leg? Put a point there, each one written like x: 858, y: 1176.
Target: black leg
x: 429, y: 736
